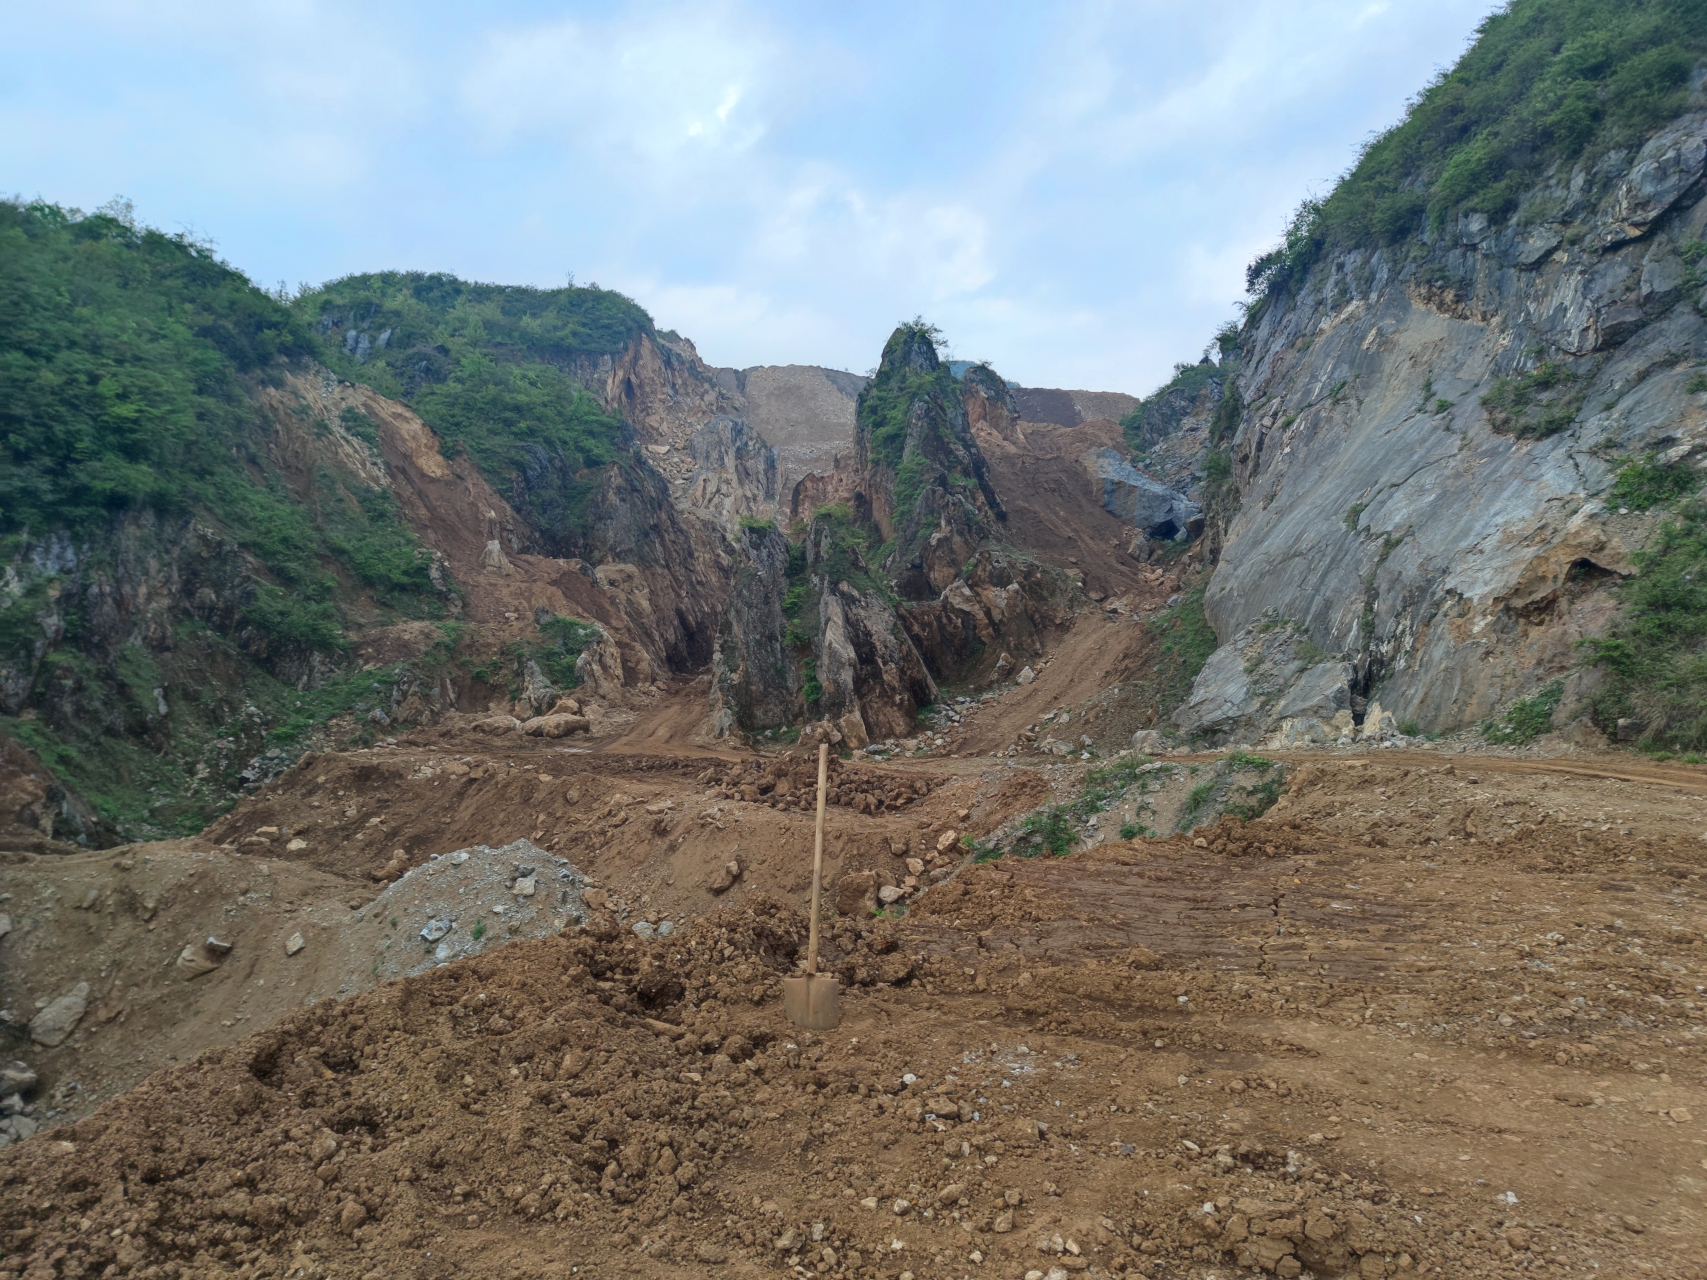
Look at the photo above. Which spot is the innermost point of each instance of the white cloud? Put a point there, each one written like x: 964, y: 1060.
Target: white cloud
x: 1070, y: 192
x: 666, y: 87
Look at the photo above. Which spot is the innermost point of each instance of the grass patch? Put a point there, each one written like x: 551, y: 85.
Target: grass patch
x: 558, y: 651
x: 1655, y: 653
x: 1259, y: 799
x: 1646, y: 482
x: 1526, y: 719
x: 1186, y: 640
x: 1238, y: 759
x: 1537, y: 404
x: 1196, y: 799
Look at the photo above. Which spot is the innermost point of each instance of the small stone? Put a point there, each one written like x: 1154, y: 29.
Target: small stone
x: 54, y: 1024
x: 1026, y: 676
x: 294, y: 944
x: 216, y: 947
x: 1632, y: 1225
x: 666, y: 928
x: 1681, y: 1114
x: 869, y: 1203
x: 951, y: 1193
x: 890, y: 893
x: 5, y: 924
x: 1014, y: 1197
x: 436, y: 929
x: 725, y: 877
x: 351, y: 1216
x: 192, y: 962
x: 297, y: 845
x: 944, y: 842
x: 1004, y: 1223
x: 525, y: 887
x: 712, y: 1253
x: 16, y: 1077
x: 901, y: 1206
x: 642, y: 929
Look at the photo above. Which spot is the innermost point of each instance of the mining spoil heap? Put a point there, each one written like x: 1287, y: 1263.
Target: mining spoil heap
x: 1432, y: 1013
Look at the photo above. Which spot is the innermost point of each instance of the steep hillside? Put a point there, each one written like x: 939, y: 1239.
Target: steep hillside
x: 183, y: 570
x: 1466, y: 392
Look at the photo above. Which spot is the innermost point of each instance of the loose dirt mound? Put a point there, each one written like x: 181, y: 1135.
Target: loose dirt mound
x: 791, y: 782
x: 1280, y: 1045
x: 1055, y: 512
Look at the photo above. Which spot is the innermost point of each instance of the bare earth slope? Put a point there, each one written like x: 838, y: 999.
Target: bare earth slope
x: 1431, y: 1015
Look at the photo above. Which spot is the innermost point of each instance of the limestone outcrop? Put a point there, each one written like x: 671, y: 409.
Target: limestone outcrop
x: 1429, y: 434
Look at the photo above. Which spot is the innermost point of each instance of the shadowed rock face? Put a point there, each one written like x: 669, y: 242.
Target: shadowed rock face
x: 1400, y: 520
x: 754, y: 682
x: 1140, y: 501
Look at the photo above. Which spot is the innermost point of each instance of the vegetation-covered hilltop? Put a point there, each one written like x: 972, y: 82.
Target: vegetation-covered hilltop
x: 1546, y: 82
x: 498, y: 371
x: 174, y: 602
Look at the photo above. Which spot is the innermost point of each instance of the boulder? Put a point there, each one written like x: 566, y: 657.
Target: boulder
x: 1133, y: 497
x: 55, y: 1023
x: 725, y: 876
x: 856, y: 894
x: 497, y: 725
x: 1149, y: 741
x: 1272, y: 683
x: 555, y: 726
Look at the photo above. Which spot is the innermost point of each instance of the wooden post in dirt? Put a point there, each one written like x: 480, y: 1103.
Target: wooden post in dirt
x: 814, y: 1001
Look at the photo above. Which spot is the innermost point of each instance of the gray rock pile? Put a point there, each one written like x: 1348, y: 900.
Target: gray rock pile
x: 459, y: 904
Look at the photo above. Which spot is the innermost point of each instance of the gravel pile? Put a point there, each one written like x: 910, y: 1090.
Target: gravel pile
x: 459, y: 904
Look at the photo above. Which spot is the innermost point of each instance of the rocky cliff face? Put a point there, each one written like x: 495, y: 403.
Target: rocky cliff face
x: 1428, y: 436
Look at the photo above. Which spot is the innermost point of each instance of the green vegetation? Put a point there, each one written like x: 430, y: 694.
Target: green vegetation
x: 1195, y: 801
x: 1186, y: 640
x: 558, y: 650
x: 492, y: 369
x: 1048, y: 831
x: 1168, y: 403
x: 1646, y: 482
x: 906, y: 414
x: 1540, y: 403
x: 1655, y: 653
x: 1238, y: 758
x: 478, y: 931
x: 1526, y: 719
x: 127, y: 365
x: 1259, y: 799
x: 123, y: 353
x: 1053, y: 828
x: 1354, y: 513
x: 1547, y: 81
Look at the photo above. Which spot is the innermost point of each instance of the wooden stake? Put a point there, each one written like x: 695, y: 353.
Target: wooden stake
x: 818, y: 857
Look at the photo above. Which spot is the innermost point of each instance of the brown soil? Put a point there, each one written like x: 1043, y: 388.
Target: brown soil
x: 1352, y: 1027
x: 1056, y: 513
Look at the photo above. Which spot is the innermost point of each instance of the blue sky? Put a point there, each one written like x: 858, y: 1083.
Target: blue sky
x: 1070, y: 191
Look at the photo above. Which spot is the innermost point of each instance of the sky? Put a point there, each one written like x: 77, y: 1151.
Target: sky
x: 1070, y: 191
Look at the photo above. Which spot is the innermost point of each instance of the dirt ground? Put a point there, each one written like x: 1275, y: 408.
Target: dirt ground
x: 1434, y: 1013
